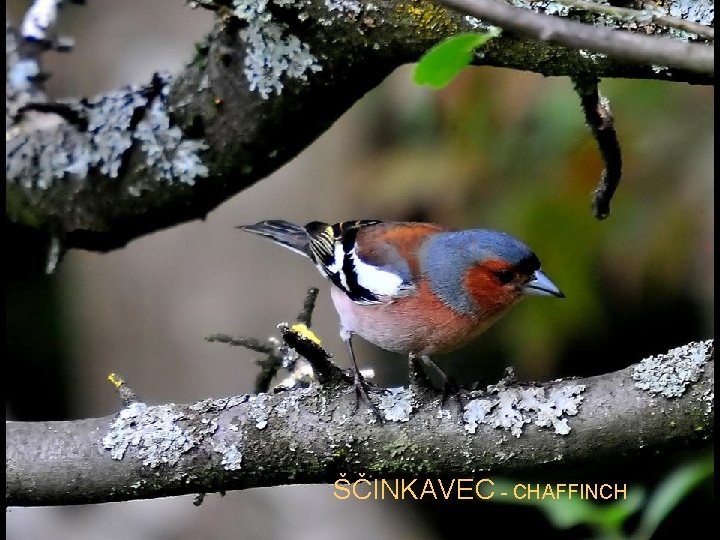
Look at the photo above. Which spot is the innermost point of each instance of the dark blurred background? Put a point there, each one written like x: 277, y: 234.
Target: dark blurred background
x: 497, y: 149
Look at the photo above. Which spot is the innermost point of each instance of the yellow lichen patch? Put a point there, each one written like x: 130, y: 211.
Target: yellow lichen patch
x: 415, y: 11
x: 115, y: 380
x: 429, y: 16
x: 304, y: 332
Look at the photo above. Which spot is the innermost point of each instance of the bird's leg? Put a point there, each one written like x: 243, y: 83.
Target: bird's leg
x: 418, y: 377
x: 361, y: 388
x: 450, y: 387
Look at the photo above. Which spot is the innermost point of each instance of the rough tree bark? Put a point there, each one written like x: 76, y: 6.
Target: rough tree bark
x: 314, y: 436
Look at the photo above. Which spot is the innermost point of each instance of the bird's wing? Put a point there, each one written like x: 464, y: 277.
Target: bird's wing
x: 371, y: 261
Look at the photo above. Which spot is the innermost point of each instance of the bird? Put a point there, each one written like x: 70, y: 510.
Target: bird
x: 414, y: 288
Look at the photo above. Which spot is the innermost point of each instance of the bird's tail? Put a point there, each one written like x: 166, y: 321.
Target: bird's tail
x: 289, y: 235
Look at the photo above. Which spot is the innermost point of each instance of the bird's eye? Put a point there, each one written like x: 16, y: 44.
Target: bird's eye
x: 504, y: 276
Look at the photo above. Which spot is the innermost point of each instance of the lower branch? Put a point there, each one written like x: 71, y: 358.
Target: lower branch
x: 313, y: 435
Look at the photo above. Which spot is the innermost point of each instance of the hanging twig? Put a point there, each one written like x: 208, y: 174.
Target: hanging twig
x: 600, y: 120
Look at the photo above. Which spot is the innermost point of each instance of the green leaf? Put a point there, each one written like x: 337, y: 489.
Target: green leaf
x: 671, y: 491
x: 605, y: 519
x: 445, y: 60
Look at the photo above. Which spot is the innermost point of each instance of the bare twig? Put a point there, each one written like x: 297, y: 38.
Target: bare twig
x: 269, y: 364
x: 305, y: 316
x: 249, y: 343
x: 284, y: 355
x: 269, y: 367
x: 311, y: 350
x: 650, y: 13
x: 127, y: 394
x: 619, y: 44
x: 600, y: 120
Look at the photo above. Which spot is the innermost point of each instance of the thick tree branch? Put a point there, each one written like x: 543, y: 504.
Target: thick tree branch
x: 96, y: 173
x: 312, y: 435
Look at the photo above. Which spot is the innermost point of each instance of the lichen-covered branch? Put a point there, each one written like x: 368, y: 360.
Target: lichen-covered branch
x: 312, y: 435
x: 97, y: 172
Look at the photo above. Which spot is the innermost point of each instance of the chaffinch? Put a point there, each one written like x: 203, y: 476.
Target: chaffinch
x: 414, y: 288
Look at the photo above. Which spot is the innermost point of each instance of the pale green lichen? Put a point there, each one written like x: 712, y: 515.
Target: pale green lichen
x: 346, y: 7
x: 593, y: 56
x: 476, y: 411
x: 699, y: 11
x: 162, y: 434
x: 512, y: 408
x: 168, y: 153
x: 397, y: 404
x: 232, y: 455
x: 258, y: 410
x: 670, y: 374
x: 290, y: 403
x: 272, y: 54
x: 478, y: 24
x: 708, y: 398
x: 49, y: 150
x: 153, y: 432
x: 550, y: 8
x: 682, y: 35
x: 110, y: 136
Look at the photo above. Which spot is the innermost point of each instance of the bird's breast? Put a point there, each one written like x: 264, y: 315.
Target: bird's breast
x: 419, y: 323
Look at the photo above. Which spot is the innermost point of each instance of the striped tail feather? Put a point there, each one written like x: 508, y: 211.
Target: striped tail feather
x: 294, y: 237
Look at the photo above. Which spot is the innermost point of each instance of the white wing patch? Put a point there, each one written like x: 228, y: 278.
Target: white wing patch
x: 336, y: 266
x: 377, y: 281
x: 338, y: 258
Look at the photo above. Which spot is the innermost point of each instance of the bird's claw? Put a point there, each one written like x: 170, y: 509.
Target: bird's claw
x: 419, y: 381
x: 452, y: 389
x: 361, y: 393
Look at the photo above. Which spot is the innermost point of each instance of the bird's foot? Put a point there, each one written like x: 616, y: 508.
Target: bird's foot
x: 453, y: 389
x: 362, y: 394
x: 419, y: 381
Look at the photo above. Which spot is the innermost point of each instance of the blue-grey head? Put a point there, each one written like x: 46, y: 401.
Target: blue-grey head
x: 482, y: 272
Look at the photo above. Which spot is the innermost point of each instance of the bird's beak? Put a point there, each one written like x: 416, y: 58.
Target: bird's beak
x: 541, y: 285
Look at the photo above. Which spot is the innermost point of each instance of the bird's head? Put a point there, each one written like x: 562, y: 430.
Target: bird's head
x: 484, y: 272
